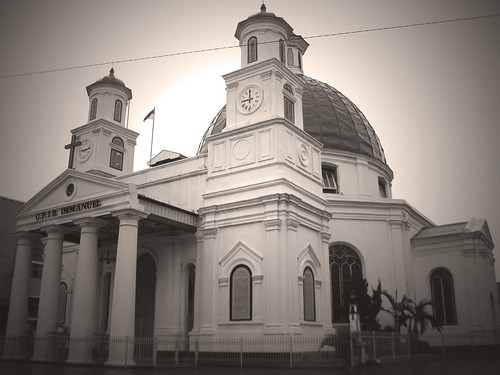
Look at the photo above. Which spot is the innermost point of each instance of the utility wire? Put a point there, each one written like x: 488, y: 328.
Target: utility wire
x: 237, y: 46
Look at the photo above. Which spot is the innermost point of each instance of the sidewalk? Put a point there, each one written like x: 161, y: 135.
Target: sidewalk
x: 451, y: 366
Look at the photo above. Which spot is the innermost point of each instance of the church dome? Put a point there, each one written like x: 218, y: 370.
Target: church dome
x: 329, y: 117
x: 110, y: 80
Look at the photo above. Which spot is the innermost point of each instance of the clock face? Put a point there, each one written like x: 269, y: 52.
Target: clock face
x: 85, y: 150
x: 250, y: 99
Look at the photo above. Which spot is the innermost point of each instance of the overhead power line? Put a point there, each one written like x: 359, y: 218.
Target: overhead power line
x: 237, y: 46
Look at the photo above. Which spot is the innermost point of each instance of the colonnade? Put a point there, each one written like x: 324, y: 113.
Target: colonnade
x: 85, y: 307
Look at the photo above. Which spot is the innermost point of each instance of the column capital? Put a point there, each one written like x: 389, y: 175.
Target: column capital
x: 130, y: 212
x: 90, y: 222
x: 27, y: 236
x: 55, y: 231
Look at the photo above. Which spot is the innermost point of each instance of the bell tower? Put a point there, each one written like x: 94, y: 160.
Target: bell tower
x: 105, y: 146
x: 266, y: 87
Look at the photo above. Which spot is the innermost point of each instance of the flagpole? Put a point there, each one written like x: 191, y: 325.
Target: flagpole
x: 152, y: 134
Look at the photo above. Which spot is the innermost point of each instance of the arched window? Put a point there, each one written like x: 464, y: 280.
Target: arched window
x: 443, y: 297
x: 117, y: 141
x: 93, y: 109
x: 330, y: 179
x: 63, y: 298
x: 289, y: 56
x: 309, y: 297
x: 252, y: 49
x: 382, y: 187
x: 282, y: 51
x: 345, y: 272
x: 289, y: 104
x: 118, y: 111
x: 116, y: 158
x: 241, y: 293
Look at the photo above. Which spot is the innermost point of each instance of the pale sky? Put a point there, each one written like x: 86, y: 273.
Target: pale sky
x: 432, y: 93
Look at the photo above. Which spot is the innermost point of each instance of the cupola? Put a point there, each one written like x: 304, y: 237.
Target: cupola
x: 262, y: 36
x: 109, y: 99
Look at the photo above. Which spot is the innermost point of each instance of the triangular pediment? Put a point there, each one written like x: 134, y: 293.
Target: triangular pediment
x: 71, y: 191
x: 308, y: 253
x: 241, y: 253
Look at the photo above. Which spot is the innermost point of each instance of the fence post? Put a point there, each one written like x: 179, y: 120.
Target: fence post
x: 126, y: 350
x: 291, y: 355
x: 409, y: 345
x: 176, y: 351
x: 472, y: 342
x: 155, y: 354
x: 374, y: 346
x: 196, y: 349
x: 14, y: 348
x: 443, y: 347
x: 241, y: 352
x: 351, y: 347
x: 393, y: 345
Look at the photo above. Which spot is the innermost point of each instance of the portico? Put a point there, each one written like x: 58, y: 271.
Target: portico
x: 106, y: 218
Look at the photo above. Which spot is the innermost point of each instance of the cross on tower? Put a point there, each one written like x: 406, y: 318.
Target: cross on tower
x: 74, y: 144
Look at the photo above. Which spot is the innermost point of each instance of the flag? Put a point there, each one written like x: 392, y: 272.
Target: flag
x: 150, y: 115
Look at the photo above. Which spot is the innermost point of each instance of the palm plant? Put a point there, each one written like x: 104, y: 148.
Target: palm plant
x: 398, y: 309
x: 420, y: 317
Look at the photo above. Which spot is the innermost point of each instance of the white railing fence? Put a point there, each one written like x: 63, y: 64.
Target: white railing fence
x: 276, y: 351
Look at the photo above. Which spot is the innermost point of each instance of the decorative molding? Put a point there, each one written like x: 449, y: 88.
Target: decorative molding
x: 272, y: 224
x: 292, y: 224
x: 308, y: 253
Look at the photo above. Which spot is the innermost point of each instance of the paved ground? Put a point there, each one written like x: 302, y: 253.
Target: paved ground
x: 455, y: 366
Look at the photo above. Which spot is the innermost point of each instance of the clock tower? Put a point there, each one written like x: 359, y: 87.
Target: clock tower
x: 266, y: 87
x: 105, y: 146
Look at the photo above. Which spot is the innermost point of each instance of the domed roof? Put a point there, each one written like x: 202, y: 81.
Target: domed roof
x: 110, y: 80
x: 329, y: 117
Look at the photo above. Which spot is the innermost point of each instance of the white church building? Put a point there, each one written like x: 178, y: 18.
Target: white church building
x: 286, y: 204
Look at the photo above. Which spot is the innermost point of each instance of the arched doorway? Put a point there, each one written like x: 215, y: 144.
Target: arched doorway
x: 145, y: 296
x: 345, y: 271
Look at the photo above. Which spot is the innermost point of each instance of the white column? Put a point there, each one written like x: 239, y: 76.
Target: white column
x: 208, y: 287
x: 326, y: 290
x: 123, y: 310
x: 18, y: 308
x: 84, y: 313
x: 49, y: 292
x: 197, y: 283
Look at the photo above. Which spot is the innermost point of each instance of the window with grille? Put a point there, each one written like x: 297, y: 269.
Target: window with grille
x: 443, y: 297
x: 289, y: 104
x: 118, y: 111
x: 330, y: 179
x: 116, y: 157
x: 345, y: 273
x: 252, y: 49
x: 93, y: 109
x: 282, y: 52
x: 241, y: 293
x: 309, y: 297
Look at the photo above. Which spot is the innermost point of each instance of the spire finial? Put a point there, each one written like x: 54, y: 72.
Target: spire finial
x: 263, y: 7
x: 112, y: 72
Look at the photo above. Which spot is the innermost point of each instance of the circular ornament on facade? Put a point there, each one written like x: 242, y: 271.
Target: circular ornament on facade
x: 241, y: 149
x: 250, y: 99
x: 69, y: 190
x: 303, y: 155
